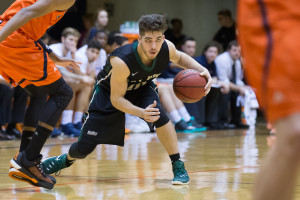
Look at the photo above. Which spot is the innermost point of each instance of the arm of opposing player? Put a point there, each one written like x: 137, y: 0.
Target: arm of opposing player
x: 118, y: 84
x: 187, y: 62
x: 40, y: 8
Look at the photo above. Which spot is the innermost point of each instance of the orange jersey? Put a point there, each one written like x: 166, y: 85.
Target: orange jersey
x: 22, y: 59
x: 37, y: 27
x: 269, y: 33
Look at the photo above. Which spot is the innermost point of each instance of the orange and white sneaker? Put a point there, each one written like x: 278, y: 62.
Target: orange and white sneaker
x: 30, y: 171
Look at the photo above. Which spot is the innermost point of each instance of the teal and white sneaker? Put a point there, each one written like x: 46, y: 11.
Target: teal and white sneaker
x: 181, y: 176
x: 55, y: 164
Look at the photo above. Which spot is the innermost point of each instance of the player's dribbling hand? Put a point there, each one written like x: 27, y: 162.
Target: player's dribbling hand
x: 151, y: 114
x: 207, y: 87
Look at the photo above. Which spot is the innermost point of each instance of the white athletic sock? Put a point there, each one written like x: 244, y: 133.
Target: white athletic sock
x: 175, y: 116
x: 67, y: 116
x: 184, y: 114
x: 77, y: 117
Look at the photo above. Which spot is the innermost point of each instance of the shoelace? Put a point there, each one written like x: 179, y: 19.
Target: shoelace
x: 38, y: 165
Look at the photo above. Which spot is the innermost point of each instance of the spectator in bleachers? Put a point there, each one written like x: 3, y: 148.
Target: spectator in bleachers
x: 167, y: 77
x: 114, y: 41
x: 101, y: 37
x: 209, y: 106
x: 174, y: 34
x: 229, y: 70
x: 76, y: 80
x: 227, y: 31
x: 100, y: 23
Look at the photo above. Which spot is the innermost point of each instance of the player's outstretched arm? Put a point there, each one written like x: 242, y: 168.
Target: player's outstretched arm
x: 118, y: 84
x: 40, y: 8
x: 187, y: 62
x: 67, y: 63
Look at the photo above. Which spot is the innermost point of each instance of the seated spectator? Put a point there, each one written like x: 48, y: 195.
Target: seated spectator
x: 167, y: 77
x: 174, y: 34
x: 227, y: 31
x: 229, y: 70
x: 100, y: 23
x: 101, y: 37
x: 208, y: 107
x: 115, y: 41
x: 81, y: 84
x: 13, y: 102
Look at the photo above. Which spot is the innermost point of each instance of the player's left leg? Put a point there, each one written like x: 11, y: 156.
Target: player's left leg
x: 165, y: 132
x: 78, y: 150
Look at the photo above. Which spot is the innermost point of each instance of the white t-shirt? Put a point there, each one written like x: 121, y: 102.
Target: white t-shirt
x: 224, y: 68
x: 58, y: 50
x: 85, y: 66
x: 101, y: 60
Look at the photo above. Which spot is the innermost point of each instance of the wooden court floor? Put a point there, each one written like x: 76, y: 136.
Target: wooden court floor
x: 221, y: 165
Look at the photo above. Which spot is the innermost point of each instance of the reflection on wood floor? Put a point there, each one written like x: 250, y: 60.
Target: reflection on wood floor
x: 221, y: 165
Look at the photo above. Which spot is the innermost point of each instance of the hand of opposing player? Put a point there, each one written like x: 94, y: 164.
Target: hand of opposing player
x: 151, y: 114
x: 207, y: 87
x: 67, y: 63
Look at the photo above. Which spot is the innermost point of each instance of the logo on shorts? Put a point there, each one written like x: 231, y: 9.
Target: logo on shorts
x: 93, y: 133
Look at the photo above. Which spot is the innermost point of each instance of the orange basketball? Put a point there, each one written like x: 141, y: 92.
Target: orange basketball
x: 188, y: 86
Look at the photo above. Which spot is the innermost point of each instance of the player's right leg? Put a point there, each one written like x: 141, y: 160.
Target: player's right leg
x: 26, y: 165
x: 281, y: 165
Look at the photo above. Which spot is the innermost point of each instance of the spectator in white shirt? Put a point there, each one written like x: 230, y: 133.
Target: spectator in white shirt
x: 229, y: 69
x: 101, y: 37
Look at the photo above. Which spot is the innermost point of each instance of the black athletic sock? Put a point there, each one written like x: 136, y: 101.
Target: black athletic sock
x: 25, y: 139
x: 38, y: 140
x: 174, y: 157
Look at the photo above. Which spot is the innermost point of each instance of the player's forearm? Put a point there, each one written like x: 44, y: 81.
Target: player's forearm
x: 126, y: 106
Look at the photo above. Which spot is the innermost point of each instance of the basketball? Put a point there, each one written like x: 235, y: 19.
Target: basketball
x: 188, y: 86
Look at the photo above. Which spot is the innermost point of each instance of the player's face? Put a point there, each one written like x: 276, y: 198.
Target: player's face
x: 151, y: 43
x: 235, y: 52
x: 70, y: 42
x: 92, y: 54
x: 103, y: 18
x: 211, y: 54
x: 189, y: 47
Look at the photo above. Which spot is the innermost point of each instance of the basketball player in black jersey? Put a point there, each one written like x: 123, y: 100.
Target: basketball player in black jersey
x: 125, y: 86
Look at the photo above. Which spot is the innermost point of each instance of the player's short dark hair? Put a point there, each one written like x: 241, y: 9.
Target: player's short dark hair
x: 153, y: 22
x: 187, y: 38
x: 232, y: 43
x: 225, y: 12
x: 213, y: 44
x: 94, y: 44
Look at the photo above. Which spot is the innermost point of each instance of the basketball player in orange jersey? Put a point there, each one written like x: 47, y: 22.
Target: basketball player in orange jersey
x: 269, y: 35
x: 26, y: 61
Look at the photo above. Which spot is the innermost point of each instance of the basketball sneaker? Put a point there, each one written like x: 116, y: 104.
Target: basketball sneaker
x: 55, y: 164
x: 181, y: 176
x: 30, y: 171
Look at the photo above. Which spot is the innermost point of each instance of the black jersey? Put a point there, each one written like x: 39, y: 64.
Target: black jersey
x: 140, y: 74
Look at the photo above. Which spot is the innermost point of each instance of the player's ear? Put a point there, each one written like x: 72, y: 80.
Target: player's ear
x: 139, y: 38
